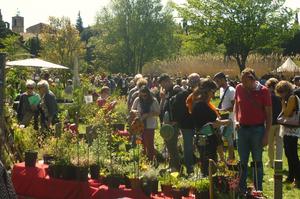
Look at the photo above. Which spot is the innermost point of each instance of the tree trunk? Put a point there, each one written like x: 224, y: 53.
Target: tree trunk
x: 241, y: 60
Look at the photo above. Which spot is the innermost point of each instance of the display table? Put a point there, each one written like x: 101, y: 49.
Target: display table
x: 35, y: 183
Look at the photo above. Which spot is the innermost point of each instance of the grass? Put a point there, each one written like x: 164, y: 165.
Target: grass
x: 210, y: 64
x: 289, y: 191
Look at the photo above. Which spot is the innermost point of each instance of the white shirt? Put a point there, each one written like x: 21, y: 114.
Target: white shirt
x: 151, y: 122
x: 228, y: 98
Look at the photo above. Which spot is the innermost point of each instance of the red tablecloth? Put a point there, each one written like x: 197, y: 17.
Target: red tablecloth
x: 34, y: 182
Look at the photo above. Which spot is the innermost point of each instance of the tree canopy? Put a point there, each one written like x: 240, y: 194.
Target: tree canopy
x: 131, y: 33
x: 61, y: 42
x: 242, y: 26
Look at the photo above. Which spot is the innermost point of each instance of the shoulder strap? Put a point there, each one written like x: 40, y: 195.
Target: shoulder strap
x: 220, y: 103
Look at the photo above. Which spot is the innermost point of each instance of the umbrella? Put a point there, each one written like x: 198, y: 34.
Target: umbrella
x: 35, y: 62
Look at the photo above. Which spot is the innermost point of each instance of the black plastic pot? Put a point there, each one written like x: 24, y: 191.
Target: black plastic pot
x: 30, y: 158
x: 94, y: 171
x: 135, y: 183
x: 153, y: 184
x: 202, y: 194
x: 48, y: 159
x: 69, y: 172
x: 119, y: 127
x: 113, y: 181
x: 55, y: 171
x: 185, y: 192
x: 146, y: 188
x: 82, y: 173
x: 167, y: 190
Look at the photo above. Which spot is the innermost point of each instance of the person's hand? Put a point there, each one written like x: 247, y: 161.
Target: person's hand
x: 237, y: 126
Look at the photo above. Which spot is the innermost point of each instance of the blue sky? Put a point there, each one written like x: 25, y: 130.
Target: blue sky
x: 36, y: 11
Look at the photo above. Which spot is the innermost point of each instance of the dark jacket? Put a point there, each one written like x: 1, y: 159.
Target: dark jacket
x: 276, y: 107
x: 49, y: 108
x: 181, y: 114
x: 202, y: 114
x: 168, y: 105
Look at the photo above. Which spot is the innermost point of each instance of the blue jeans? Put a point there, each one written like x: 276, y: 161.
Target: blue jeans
x: 250, y: 140
x: 188, y: 149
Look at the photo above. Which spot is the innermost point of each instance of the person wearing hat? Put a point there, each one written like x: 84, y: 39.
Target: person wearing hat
x: 167, y: 110
x: 226, y: 103
x: 204, y: 114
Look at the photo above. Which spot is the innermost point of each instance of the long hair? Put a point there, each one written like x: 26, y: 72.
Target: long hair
x: 201, y: 91
x: 147, y: 102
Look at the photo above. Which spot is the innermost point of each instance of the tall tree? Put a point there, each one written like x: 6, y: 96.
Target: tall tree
x: 133, y: 32
x: 242, y: 26
x: 61, y: 42
x: 34, y: 45
x: 79, y: 23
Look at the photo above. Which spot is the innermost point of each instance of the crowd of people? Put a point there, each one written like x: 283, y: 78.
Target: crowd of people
x: 247, y: 116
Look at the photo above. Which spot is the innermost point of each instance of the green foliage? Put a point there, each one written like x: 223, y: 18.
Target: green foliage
x: 13, y: 47
x: 61, y: 44
x: 26, y: 139
x: 169, y: 178
x: 79, y: 23
x: 34, y: 45
x: 242, y: 26
x: 200, y: 184
x: 131, y: 34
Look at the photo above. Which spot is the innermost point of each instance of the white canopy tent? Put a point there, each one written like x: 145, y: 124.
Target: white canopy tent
x: 288, y: 66
x: 35, y: 62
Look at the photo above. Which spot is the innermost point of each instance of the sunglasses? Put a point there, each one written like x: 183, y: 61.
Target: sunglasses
x: 30, y: 88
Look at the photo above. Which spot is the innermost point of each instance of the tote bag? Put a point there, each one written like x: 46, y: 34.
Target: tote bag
x: 292, y: 121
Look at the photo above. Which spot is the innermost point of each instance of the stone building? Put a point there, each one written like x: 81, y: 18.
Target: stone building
x: 36, y: 29
x: 17, y: 24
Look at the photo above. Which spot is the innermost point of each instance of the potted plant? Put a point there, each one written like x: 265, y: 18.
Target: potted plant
x: 135, y: 181
x: 167, y: 180
x: 201, y: 188
x: 30, y: 141
x: 150, y: 181
x: 182, y: 188
x: 115, y: 177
